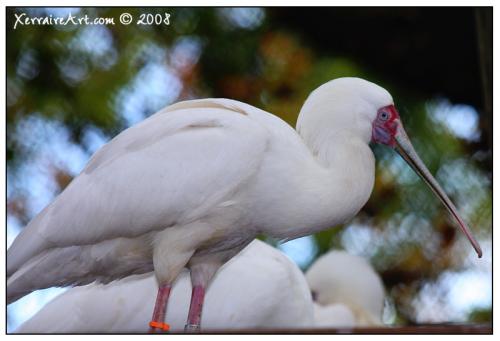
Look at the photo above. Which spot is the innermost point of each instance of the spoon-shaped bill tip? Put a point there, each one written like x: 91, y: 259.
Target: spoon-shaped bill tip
x: 404, y: 147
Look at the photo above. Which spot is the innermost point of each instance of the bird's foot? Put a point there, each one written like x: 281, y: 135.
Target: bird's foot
x: 192, y: 328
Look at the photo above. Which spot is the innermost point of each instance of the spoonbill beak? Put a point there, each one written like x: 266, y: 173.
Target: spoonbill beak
x: 404, y: 148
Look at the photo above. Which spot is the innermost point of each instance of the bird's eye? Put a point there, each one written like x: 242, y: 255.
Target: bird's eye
x: 314, y: 295
x: 384, y: 115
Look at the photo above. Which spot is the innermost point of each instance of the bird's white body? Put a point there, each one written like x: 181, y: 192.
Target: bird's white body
x: 195, y: 183
x: 348, y: 292
x: 257, y: 289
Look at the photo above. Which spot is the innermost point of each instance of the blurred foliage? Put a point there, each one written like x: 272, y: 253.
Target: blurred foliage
x: 84, y: 78
x: 481, y: 316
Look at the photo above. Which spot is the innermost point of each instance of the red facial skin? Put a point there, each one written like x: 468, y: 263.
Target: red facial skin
x: 385, y: 126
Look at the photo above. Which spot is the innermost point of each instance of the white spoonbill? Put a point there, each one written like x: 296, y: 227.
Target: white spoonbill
x: 259, y: 288
x: 193, y: 184
x: 346, y: 290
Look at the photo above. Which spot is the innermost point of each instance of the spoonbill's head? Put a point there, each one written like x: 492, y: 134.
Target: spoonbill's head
x: 338, y: 278
x: 350, y: 108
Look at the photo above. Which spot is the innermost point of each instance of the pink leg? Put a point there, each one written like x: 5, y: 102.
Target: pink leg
x: 158, y: 320
x: 194, y: 317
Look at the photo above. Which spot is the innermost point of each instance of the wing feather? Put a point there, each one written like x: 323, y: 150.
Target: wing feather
x: 169, y: 169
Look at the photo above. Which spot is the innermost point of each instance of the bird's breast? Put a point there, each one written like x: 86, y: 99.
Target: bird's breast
x: 296, y: 196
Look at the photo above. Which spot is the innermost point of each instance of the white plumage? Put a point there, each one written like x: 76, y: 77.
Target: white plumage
x: 257, y: 289
x: 200, y: 178
x: 192, y: 185
x: 347, y: 291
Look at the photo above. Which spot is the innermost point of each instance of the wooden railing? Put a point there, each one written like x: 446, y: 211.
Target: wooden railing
x: 420, y: 329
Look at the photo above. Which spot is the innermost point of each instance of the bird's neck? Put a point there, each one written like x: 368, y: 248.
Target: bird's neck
x: 339, y: 150
x: 347, y: 177
x: 326, y: 189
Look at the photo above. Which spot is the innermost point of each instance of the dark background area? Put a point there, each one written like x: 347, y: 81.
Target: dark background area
x: 430, y: 51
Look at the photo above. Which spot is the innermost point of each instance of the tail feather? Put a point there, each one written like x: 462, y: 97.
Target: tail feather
x: 27, y: 244
x: 80, y: 265
x: 43, y: 271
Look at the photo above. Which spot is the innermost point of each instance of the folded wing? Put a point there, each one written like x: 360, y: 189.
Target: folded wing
x: 170, y: 169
